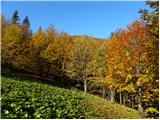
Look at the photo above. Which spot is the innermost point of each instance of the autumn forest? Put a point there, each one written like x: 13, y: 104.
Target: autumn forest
x: 122, y: 69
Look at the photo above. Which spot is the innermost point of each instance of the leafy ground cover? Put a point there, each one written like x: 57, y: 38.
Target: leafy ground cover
x: 24, y: 97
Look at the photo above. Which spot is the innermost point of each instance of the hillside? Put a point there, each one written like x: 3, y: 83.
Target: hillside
x: 24, y: 97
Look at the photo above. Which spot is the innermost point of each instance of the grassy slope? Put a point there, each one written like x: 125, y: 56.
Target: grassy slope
x: 68, y: 103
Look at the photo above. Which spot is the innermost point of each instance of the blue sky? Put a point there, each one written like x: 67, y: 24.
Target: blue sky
x: 96, y: 19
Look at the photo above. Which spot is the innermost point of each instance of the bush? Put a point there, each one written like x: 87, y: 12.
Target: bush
x: 152, y: 112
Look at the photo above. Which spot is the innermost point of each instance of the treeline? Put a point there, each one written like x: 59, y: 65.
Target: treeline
x: 125, y: 66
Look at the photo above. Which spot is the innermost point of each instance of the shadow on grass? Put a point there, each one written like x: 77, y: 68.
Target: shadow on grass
x: 67, y: 84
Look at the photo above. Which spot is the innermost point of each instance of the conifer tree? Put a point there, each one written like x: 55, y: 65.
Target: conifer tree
x: 26, y: 21
x: 15, y: 17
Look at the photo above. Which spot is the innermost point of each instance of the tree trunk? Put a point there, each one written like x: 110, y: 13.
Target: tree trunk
x: 120, y: 98
x: 132, y: 101
x: 124, y: 99
x: 127, y: 100
x: 104, y: 91
x: 108, y: 94
x: 140, y: 108
x: 112, y: 95
x: 85, y: 87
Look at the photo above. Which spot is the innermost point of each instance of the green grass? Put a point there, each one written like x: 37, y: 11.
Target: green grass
x: 24, y: 97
